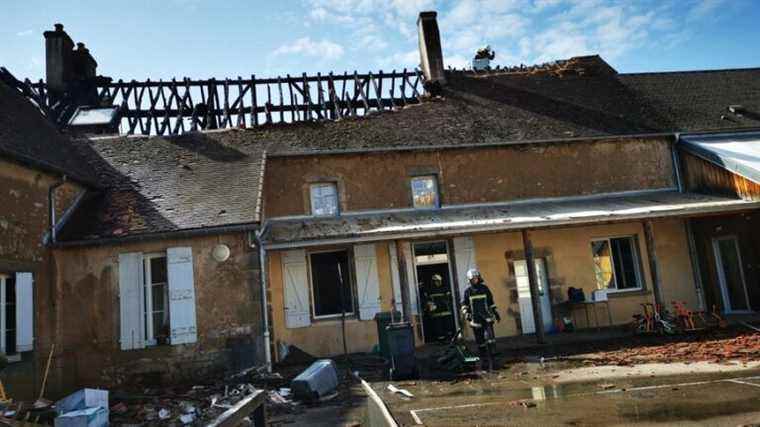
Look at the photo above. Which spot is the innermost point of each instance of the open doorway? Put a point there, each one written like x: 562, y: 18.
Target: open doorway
x: 435, y: 290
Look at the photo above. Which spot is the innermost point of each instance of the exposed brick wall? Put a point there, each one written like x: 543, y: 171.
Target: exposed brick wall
x: 23, y: 223
x: 476, y: 175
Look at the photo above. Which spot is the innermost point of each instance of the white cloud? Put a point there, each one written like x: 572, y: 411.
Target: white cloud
x: 324, y: 49
x: 24, y: 33
x: 705, y: 8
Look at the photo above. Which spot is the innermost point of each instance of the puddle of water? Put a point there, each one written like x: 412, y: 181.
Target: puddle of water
x: 730, y: 402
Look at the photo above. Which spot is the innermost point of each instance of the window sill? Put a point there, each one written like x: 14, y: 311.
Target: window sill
x: 13, y: 358
x: 334, y: 320
x: 628, y: 293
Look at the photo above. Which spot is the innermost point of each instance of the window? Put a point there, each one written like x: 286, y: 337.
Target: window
x: 8, y: 314
x: 331, y: 284
x: 424, y: 192
x: 16, y: 314
x: 616, y: 263
x: 156, y: 294
x: 324, y: 199
x: 157, y: 298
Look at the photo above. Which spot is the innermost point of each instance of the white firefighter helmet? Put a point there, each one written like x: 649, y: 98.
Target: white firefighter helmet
x: 473, y: 272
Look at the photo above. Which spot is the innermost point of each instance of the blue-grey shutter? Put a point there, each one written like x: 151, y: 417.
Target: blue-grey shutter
x: 368, y: 283
x: 296, y: 292
x: 24, y: 312
x: 182, y: 324
x: 131, y: 301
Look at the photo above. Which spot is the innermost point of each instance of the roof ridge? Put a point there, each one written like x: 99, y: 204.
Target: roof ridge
x: 714, y: 70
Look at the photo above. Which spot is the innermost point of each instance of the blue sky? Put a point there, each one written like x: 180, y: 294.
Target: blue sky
x: 227, y: 38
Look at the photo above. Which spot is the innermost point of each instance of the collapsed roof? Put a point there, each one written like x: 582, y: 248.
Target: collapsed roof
x: 197, y: 180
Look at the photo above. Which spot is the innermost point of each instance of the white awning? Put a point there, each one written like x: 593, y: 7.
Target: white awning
x: 410, y: 223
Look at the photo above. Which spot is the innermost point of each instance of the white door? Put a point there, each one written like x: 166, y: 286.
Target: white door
x: 733, y: 288
x: 524, y: 299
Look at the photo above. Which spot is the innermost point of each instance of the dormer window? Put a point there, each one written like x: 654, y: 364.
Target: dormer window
x: 425, y: 192
x: 324, y: 199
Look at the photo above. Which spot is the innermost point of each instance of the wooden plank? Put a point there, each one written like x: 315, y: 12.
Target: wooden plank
x: 654, y: 266
x: 245, y: 407
x: 282, y: 103
x: 254, y: 115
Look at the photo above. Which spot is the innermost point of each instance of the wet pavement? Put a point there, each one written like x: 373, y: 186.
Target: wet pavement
x: 510, y: 397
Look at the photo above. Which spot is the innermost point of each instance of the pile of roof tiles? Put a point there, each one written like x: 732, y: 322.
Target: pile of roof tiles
x: 714, y: 346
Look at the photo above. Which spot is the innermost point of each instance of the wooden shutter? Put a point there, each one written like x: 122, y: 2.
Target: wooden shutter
x: 181, y: 296
x: 296, y: 290
x: 464, y: 252
x: 411, y: 277
x: 131, y: 301
x: 395, y: 276
x: 24, y: 312
x: 368, y: 282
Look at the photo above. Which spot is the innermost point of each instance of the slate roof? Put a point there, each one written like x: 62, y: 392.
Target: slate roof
x: 157, y: 185
x: 152, y: 191
x: 515, y: 107
x: 26, y: 136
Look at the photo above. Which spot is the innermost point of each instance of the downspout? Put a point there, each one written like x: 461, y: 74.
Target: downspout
x: 258, y: 236
x: 51, y: 206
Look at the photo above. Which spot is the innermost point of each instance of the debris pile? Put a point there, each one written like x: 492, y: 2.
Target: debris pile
x: 712, y: 347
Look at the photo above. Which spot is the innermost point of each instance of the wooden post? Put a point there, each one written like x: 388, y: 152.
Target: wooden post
x: 404, y: 283
x: 694, y: 257
x: 653, y: 265
x: 535, y: 297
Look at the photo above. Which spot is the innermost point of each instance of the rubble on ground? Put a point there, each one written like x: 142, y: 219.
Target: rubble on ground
x: 713, y: 346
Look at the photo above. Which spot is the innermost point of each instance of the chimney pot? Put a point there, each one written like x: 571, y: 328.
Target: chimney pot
x: 431, y: 57
x: 58, y: 27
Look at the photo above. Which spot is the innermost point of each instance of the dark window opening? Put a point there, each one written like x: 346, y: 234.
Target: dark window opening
x: 331, y: 284
x: 10, y: 315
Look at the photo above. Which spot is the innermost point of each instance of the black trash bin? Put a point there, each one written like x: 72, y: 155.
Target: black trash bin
x: 403, y: 363
x: 383, y: 319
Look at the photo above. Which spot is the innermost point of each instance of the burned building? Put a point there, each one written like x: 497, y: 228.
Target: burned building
x: 271, y: 216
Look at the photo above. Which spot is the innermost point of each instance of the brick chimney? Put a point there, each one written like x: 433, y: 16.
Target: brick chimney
x: 58, y: 60
x: 63, y: 64
x: 431, y: 57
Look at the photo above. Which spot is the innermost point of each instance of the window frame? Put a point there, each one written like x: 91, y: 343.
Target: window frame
x: 313, y: 307
x: 313, y: 186
x: 636, y: 253
x: 436, y: 190
x: 15, y: 357
x: 150, y: 339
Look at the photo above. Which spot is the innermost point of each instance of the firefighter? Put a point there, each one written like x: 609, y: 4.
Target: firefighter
x: 438, y: 309
x: 480, y: 311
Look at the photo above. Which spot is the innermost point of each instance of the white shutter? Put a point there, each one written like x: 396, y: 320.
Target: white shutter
x: 297, y: 313
x: 464, y: 252
x: 411, y: 276
x: 181, y: 296
x: 395, y: 276
x: 368, y: 282
x: 24, y: 312
x: 131, y: 301
x: 524, y: 297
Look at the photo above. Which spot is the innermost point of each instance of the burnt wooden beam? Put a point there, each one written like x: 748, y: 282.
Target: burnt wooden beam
x: 535, y: 296
x: 252, y: 406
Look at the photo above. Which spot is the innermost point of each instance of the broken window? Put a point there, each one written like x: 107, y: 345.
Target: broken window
x: 424, y: 192
x: 331, y: 284
x: 16, y: 312
x: 156, y: 300
x: 616, y: 263
x: 324, y: 199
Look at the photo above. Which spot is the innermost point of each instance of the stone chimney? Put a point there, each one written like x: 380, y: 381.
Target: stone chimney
x: 58, y: 60
x: 84, y: 65
x: 65, y: 66
x: 431, y: 57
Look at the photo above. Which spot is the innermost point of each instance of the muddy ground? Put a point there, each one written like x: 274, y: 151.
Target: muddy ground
x: 705, y: 378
